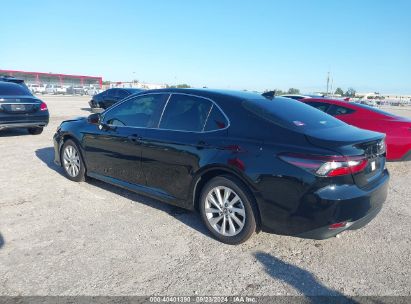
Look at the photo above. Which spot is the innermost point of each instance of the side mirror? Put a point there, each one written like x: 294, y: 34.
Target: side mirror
x: 94, y: 118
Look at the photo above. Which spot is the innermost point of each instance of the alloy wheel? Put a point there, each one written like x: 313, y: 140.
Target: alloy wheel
x: 71, y: 161
x: 225, y: 211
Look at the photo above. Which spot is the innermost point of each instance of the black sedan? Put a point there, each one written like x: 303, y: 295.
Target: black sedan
x: 20, y: 109
x: 109, y: 97
x: 245, y: 162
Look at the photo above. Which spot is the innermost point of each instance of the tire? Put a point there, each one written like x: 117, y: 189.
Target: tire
x: 243, y: 204
x: 72, y: 162
x: 35, y: 131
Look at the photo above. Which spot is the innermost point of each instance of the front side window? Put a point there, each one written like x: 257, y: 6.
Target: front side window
x: 339, y: 110
x: 185, y: 113
x: 141, y: 111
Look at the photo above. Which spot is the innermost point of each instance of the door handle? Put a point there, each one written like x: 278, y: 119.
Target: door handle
x: 134, y: 138
x: 203, y: 144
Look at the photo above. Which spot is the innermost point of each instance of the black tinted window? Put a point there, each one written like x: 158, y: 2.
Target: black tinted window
x: 319, y: 105
x: 338, y: 110
x: 216, y: 120
x: 141, y: 111
x: 111, y: 93
x: 122, y: 94
x: 290, y: 113
x: 185, y: 113
x: 12, y: 89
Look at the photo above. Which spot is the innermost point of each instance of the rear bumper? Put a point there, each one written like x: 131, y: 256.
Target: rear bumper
x: 326, y: 206
x: 325, y: 232
x: 9, y: 121
x: 28, y: 124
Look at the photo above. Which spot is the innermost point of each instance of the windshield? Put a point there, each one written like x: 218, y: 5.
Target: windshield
x: 291, y: 114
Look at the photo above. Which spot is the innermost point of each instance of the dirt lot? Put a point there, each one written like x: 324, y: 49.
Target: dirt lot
x: 62, y: 238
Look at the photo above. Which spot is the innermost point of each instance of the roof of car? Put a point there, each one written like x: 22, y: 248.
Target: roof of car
x: 7, y: 78
x: 210, y: 93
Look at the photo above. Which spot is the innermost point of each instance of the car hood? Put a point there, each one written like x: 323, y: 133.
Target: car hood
x: 74, y: 119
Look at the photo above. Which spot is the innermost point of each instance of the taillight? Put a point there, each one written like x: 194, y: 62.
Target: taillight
x: 326, y: 165
x: 43, y: 107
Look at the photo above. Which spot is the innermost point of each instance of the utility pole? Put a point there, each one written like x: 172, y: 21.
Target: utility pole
x: 328, y: 81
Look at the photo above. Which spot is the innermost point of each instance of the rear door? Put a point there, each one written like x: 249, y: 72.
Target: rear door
x: 172, y: 153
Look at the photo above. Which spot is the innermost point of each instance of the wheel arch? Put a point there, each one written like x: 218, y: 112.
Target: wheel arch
x: 209, y: 173
x: 69, y: 136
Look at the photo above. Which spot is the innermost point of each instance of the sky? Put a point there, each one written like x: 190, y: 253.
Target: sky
x: 230, y: 44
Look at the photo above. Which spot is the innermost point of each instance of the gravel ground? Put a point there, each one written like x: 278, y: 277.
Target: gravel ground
x: 62, y: 238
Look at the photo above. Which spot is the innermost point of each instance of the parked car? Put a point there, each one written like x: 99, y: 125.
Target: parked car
x: 91, y: 91
x: 56, y: 89
x: 20, y: 109
x: 396, y: 128
x: 111, y: 96
x: 37, y: 88
x: 245, y: 162
x: 75, y: 90
x: 299, y: 96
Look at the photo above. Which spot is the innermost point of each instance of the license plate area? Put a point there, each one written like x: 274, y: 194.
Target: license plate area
x: 18, y: 108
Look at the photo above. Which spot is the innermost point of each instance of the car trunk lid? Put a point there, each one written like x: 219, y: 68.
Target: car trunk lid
x: 19, y: 105
x: 351, y: 141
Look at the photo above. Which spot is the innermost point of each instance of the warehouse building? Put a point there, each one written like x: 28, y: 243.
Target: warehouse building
x: 52, y: 78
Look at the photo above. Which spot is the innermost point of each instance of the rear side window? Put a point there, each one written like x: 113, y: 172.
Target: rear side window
x: 185, y: 113
x: 319, y: 105
x: 291, y: 114
x: 339, y: 110
x: 216, y: 120
x: 12, y: 89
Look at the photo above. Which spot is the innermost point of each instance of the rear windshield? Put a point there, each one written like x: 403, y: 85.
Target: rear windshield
x: 291, y: 114
x: 12, y: 89
x: 375, y: 110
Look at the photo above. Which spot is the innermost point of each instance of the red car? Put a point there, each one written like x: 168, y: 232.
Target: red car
x: 396, y: 128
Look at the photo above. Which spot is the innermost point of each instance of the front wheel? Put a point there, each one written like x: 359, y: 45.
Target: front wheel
x: 72, y: 161
x: 35, y: 131
x: 228, y: 210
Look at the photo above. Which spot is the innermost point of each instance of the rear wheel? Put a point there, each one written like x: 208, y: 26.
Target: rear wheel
x: 35, y: 131
x: 72, y: 162
x: 228, y: 210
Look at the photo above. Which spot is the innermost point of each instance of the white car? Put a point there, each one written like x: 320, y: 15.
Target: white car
x: 55, y: 89
x: 37, y: 88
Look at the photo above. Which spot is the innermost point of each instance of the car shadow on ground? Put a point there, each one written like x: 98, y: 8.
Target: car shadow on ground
x: 189, y: 218
x: 46, y: 155
x: 13, y: 132
x: 301, y: 280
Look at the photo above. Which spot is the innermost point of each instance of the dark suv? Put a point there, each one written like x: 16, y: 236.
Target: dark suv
x: 20, y: 109
x: 245, y: 162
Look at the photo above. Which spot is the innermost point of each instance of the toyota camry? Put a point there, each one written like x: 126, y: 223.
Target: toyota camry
x: 245, y: 162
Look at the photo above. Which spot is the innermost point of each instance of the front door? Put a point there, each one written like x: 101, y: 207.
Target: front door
x: 113, y: 149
